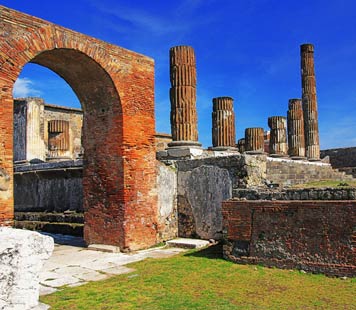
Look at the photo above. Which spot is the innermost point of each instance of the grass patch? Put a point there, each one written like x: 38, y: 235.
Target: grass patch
x: 329, y: 184
x: 203, y: 280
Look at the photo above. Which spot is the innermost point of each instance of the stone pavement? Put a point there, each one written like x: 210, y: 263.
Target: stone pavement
x: 72, y: 265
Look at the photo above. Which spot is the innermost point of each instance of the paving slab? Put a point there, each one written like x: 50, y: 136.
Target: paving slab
x: 73, y: 265
x: 187, y: 243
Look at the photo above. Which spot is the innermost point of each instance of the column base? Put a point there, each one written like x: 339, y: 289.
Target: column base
x: 314, y: 159
x: 255, y: 153
x: 181, y: 150
x: 177, y: 144
x: 298, y: 158
x: 278, y: 155
x: 223, y: 148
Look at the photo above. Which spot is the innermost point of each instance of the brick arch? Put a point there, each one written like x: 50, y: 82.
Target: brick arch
x: 115, y: 88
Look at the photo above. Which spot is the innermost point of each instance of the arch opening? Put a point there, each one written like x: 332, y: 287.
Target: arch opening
x: 116, y: 90
x: 48, y: 168
x: 102, y: 124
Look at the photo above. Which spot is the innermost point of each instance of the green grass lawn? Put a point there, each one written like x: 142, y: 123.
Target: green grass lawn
x: 203, y: 280
x: 328, y: 183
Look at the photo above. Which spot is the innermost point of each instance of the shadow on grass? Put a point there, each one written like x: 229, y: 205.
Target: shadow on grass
x: 212, y: 252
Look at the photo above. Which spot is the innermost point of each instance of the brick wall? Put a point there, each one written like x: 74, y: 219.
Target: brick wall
x: 116, y: 89
x: 316, y: 236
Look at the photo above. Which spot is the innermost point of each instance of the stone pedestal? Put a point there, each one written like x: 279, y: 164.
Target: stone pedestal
x: 223, y: 119
x: 183, y: 97
x: 254, y: 140
x: 295, y: 124
x: 310, y: 107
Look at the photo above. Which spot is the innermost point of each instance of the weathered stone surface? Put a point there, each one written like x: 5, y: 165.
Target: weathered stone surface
x: 57, y: 189
x: 278, y: 136
x: 254, y: 140
x: 310, y: 107
x: 22, y: 255
x: 223, y: 118
x: 116, y: 89
x: 204, y: 183
x: 205, y: 188
x: 167, y: 201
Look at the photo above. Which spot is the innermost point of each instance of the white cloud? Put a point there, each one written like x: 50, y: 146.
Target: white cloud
x: 24, y: 87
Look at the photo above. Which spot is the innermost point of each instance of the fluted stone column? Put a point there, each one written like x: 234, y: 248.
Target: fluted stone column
x: 183, y: 97
x: 310, y: 107
x: 223, y: 117
x: 278, y: 136
x: 254, y: 140
x: 241, y: 145
x: 295, y: 124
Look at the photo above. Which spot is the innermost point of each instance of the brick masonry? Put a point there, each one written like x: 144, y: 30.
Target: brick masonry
x: 316, y: 236
x: 116, y: 89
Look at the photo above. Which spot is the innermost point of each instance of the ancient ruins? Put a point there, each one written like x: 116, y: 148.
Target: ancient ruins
x: 295, y: 123
x: 223, y: 128
x: 125, y: 185
x: 310, y: 106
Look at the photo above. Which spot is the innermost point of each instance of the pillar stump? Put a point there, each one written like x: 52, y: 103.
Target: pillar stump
x: 254, y: 140
x: 278, y: 136
x: 223, y: 124
x: 295, y: 126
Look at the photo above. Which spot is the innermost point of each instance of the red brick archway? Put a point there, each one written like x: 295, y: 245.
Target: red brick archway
x: 116, y: 89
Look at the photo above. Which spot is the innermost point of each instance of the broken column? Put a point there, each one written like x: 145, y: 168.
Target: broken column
x: 254, y: 140
x: 223, y: 131
x: 295, y: 124
x: 278, y: 136
x: 241, y: 145
x: 183, y: 98
x: 310, y: 107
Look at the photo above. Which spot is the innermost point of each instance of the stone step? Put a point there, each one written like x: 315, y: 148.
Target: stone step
x: 187, y: 243
x: 71, y: 217
x: 74, y: 229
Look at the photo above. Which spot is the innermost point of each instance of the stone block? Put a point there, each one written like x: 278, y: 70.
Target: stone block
x: 22, y: 255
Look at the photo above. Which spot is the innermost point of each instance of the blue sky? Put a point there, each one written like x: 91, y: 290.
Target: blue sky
x: 248, y: 50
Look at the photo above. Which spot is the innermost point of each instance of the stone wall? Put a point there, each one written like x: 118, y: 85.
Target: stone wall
x: 344, y: 158
x: 49, y: 187
x: 20, y: 121
x: 340, y: 193
x: 167, y: 201
x: 286, y: 172
x: 75, y: 119
x: 162, y: 140
x: 204, y: 183
x: 316, y: 236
